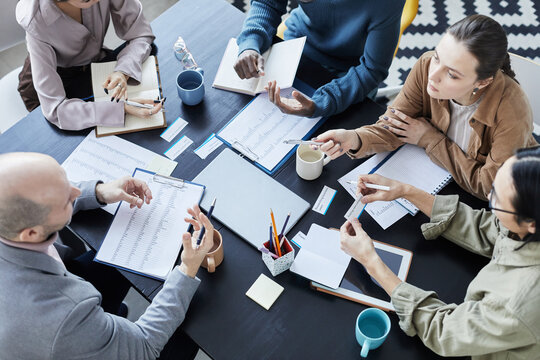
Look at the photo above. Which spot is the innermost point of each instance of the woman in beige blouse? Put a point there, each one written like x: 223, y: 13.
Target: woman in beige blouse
x: 63, y: 37
x: 500, y: 315
x: 460, y: 103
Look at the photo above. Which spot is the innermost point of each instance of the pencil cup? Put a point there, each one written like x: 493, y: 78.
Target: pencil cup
x: 279, y: 265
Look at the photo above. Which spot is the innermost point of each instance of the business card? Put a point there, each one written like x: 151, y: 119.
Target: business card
x: 324, y: 200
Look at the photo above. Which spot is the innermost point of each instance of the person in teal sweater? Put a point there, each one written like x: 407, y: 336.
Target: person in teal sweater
x: 354, y: 39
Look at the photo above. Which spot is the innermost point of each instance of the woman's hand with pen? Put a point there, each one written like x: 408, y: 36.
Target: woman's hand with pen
x: 143, y: 112
x: 192, y: 256
x: 395, y: 190
x: 338, y: 142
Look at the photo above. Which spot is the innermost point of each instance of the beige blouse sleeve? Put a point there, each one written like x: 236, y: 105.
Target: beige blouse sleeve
x: 131, y: 26
x: 68, y: 114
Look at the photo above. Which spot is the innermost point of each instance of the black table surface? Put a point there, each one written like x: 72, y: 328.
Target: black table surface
x: 225, y: 323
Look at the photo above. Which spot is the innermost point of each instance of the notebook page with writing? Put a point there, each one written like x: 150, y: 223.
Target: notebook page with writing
x: 282, y: 63
x: 148, y: 240
x: 411, y: 165
x: 148, y: 88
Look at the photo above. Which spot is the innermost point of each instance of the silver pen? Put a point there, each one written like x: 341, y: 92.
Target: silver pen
x: 307, y: 142
x: 371, y: 186
x: 139, y: 105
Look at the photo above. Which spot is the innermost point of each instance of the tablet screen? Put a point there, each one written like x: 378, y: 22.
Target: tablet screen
x: 358, y: 280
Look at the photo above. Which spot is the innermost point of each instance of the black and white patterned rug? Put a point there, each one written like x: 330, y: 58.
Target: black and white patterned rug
x: 520, y: 19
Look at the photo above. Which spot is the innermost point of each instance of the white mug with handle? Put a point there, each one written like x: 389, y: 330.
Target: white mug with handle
x: 309, y: 162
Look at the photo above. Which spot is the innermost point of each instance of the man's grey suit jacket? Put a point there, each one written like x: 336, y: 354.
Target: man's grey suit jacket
x: 48, y: 313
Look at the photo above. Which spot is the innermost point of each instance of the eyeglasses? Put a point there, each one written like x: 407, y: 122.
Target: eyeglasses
x: 493, y: 195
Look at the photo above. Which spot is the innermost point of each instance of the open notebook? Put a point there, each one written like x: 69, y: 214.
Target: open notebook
x: 280, y: 64
x: 411, y: 165
x: 148, y: 89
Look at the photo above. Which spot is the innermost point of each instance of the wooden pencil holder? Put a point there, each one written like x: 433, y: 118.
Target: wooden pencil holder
x: 279, y: 265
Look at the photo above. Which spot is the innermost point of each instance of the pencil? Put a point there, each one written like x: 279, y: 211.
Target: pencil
x: 275, y: 233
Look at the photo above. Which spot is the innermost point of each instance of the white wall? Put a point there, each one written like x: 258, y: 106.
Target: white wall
x: 10, y: 32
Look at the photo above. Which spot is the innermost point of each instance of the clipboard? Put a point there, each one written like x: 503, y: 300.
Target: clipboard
x: 147, y: 241
x: 250, y: 155
x: 359, y: 287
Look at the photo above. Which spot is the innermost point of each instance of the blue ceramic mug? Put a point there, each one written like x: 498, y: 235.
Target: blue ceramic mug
x: 372, y: 326
x: 190, y: 86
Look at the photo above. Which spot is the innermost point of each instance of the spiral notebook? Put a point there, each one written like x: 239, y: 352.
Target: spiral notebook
x: 411, y: 165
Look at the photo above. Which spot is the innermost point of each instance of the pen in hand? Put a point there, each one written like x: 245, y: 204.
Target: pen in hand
x: 307, y: 142
x: 371, y: 186
x: 201, y: 234
x: 139, y: 105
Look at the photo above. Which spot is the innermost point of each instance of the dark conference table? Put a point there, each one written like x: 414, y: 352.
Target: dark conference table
x: 226, y: 324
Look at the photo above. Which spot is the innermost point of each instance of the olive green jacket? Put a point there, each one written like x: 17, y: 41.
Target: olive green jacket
x: 500, y: 315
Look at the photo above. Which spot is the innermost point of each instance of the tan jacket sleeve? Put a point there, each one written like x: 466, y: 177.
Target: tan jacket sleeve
x: 377, y: 139
x: 469, y: 329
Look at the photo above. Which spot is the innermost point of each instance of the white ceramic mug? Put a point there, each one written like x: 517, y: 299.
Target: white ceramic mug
x: 309, y: 162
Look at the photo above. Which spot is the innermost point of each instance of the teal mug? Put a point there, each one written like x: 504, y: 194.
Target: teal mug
x: 190, y: 86
x: 372, y: 327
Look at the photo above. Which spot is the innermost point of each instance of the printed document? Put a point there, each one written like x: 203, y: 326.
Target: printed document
x: 148, y: 240
x: 109, y: 158
x: 259, y: 130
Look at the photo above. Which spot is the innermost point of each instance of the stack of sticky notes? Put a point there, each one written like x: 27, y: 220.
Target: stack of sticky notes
x: 264, y: 291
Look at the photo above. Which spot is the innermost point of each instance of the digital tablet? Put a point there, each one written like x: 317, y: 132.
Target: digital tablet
x: 357, y: 285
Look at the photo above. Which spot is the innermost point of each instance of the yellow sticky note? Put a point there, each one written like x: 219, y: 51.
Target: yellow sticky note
x: 161, y: 165
x: 264, y: 291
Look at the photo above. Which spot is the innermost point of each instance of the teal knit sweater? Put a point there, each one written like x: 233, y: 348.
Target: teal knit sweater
x: 355, y: 37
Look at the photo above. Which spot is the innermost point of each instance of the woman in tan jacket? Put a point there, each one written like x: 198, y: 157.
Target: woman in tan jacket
x: 460, y: 103
x: 499, y: 317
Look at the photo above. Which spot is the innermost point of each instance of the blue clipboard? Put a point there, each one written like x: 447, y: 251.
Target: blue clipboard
x: 300, y: 86
x: 180, y: 235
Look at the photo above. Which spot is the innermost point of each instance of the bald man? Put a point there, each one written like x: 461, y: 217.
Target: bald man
x: 46, y: 312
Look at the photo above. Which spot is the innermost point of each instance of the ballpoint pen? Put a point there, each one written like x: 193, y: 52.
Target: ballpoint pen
x: 307, y: 142
x: 136, y: 104
x: 371, y: 186
x: 201, y: 234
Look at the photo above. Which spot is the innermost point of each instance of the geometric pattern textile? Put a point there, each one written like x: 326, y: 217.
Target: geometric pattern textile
x: 519, y: 18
